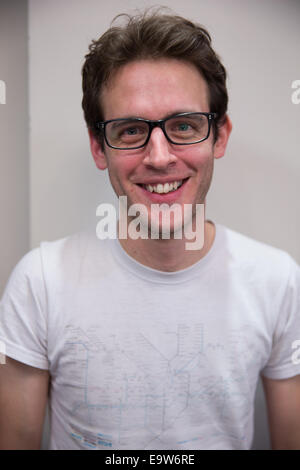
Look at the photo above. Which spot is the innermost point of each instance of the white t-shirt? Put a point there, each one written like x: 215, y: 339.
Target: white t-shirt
x: 145, y: 359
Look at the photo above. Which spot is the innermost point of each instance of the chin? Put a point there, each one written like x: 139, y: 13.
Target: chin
x: 165, y: 226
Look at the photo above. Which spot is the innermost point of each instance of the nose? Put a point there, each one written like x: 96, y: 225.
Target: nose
x: 159, y: 153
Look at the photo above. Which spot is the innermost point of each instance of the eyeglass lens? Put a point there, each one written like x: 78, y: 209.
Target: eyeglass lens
x: 130, y: 133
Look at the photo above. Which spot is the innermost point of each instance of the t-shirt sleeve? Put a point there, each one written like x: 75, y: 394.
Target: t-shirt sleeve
x: 284, y: 360
x: 23, y: 319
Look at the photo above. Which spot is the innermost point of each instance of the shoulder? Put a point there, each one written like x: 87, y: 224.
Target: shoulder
x: 76, y: 258
x: 258, y: 260
x: 76, y: 245
x: 252, y: 251
x: 51, y: 257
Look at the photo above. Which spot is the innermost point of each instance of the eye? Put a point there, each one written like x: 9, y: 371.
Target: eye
x: 131, y: 130
x: 124, y: 133
x: 183, y: 126
x: 180, y: 127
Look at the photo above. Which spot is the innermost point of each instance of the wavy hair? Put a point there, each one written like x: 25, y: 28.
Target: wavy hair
x: 151, y: 35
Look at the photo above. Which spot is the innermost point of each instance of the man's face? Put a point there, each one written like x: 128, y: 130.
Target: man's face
x: 156, y: 89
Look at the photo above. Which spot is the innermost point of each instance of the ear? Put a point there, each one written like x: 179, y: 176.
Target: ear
x: 223, y: 136
x: 97, y: 152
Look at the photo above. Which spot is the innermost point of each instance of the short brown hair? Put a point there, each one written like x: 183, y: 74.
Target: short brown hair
x: 151, y: 35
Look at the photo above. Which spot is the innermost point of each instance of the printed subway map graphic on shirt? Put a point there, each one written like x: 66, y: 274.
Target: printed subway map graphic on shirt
x: 128, y: 389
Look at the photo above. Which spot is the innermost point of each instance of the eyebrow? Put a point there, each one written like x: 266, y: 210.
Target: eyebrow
x: 180, y: 111
x: 173, y: 113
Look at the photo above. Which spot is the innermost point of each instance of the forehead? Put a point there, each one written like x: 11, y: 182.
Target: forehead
x: 154, y: 88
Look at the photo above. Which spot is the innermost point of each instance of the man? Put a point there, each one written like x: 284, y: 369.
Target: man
x: 143, y: 343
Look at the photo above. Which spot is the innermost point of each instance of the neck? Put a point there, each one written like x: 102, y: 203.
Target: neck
x: 168, y: 254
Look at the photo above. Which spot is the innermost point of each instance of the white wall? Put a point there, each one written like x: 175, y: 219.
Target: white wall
x: 255, y: 184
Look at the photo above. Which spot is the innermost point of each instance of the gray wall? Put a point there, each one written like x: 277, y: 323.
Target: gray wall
x: 14, y: 136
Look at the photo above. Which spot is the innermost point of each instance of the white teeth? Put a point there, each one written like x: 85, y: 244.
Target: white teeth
x: 163, y: 188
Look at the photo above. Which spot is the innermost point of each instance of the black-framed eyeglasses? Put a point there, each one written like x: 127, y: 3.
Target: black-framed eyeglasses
x: 134, y: 133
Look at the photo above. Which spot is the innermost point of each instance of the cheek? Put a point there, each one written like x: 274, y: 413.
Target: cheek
x: 118, y: 173
x: 199, y: 155
x: 201, y: 161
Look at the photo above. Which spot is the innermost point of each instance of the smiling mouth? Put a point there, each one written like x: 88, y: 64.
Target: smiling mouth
x: 165, y: 188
